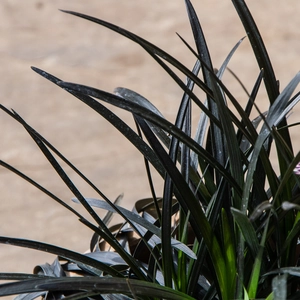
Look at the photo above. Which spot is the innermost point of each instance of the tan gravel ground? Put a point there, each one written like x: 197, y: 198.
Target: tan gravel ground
x: 35, y: 33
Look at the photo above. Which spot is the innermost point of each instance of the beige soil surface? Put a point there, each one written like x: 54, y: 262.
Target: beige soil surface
x: 36, y: 33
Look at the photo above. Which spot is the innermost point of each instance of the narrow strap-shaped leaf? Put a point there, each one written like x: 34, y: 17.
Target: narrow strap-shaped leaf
x: 188, y: 202
x: 20, y: 276
x: 213, y: 211
x: 41, y: 188
x: 203, y: 52
x: 230, y: 255
x: 258, y: 47
x: 263, y: 60
x: 256, y: 270
x: 181, y: 121
x: 135, y: 97
x: 236, y: 77
x: 150, y: 116
x: 155, y: 199
x: 60, y: 172
x: 199, y: 38
x: 150, y: 48
x: 279, y: 109
x: 247, y: 230
x: 184, y: 111
x: 98, y: 285
x: 52, y: 148
x: 114, y: 120
x: 232, y: 146
x: 104, y: 232
x: 156, y: 52
x: 94, y: 243
x: 228, y: 58
x: 134, y: 217
x: 120, y: 125
x: 243, y: 141
x: 36, y: 134
x: 294, y: 271
x: 241, y: 111
x: 184, y: 105
x: 200, y: 42
x: 271, y: 119
x: 95, y: 266
x: 167, y: 259
x: 274, y: 116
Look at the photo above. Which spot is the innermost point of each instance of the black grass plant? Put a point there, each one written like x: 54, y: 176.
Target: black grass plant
x: 227, y: 224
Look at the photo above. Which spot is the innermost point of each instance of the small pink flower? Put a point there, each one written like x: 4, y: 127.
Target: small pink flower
x: 297, y: 169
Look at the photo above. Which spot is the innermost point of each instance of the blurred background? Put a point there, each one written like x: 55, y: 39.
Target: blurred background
x: 36, y: 33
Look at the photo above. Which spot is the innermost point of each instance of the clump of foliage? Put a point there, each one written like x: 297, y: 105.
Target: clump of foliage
x: 227, y: 224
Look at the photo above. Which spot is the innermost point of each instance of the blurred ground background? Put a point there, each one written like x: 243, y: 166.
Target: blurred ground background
x: 36, y: 33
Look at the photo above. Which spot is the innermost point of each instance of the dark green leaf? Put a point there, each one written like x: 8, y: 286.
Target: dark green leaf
x: 247, y: 230
x: 139, y: 220
x: 114, y: 120
x: 97, y: 285
x: 154, y: 118
x: 95, y: 266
